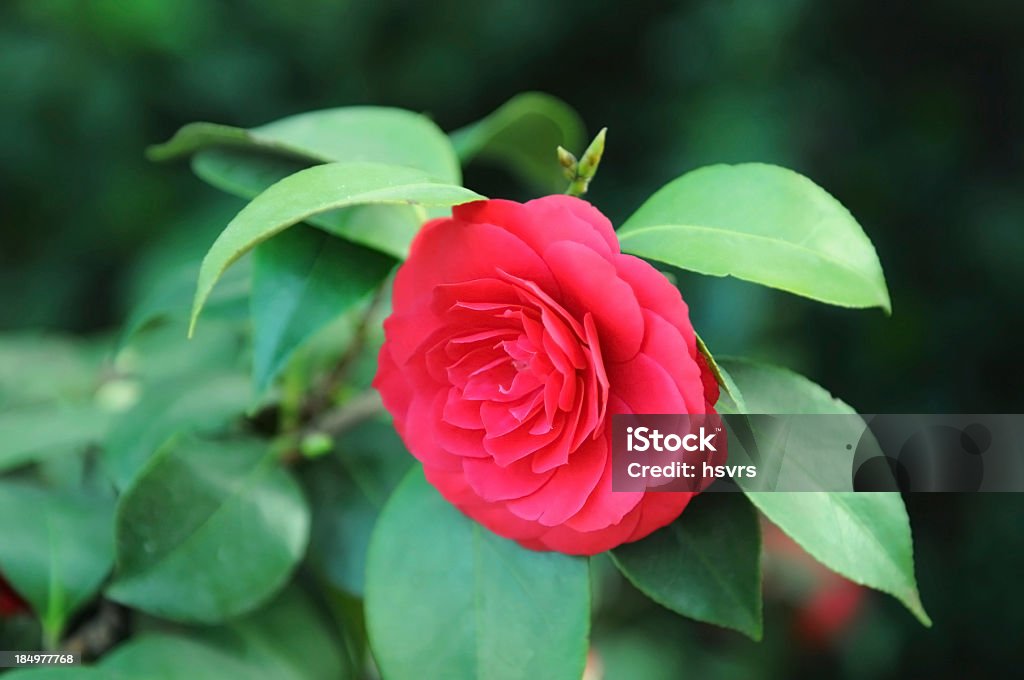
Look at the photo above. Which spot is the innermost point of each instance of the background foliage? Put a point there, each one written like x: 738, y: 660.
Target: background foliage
x: 905, y: 114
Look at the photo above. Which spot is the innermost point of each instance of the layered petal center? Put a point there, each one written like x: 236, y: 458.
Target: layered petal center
x: 522, y: 373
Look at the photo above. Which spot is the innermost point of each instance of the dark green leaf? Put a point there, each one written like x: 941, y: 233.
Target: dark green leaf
x: 312, y: 192
x: 286, y: 640
x: 760, y: 223
x: 706, y: 565
x: 447, y: 598
x: 523, y: 135
x: 302, y: 280
x: 863, y: 536
x: 175, y: 656
x: 347, y: 492
x: 57, y: 549
x: 208, y: 531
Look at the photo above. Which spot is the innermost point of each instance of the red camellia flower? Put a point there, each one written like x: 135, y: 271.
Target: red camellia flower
x: 517, y: 331
x: 10, y: 602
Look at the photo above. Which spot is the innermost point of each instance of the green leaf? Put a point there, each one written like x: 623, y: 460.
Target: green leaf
x: 302, y: 280
x: 764, y: 224
x: 706, y: 565
x: 863, y: 536
x: 447, y: 598
x: 172, y: 297
x: 347, y: 492
x: 189, y: 404
x: 312, y: 192
x: 387, y: 228
x: 791, y: 453
x: 209, y: 530
x: 39, y: 432
x: 241, y: 172
x: 523, y: 135
x: 196, y: 136
x: 286, y: 640
x: 369, y: 133
x: 173, y: 656
x: 57, y: 549
x: 358, y: 133
x: 246, y: 162
x: 772, y: 389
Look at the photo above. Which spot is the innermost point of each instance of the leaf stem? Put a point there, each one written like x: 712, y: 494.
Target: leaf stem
x: 331, y: 424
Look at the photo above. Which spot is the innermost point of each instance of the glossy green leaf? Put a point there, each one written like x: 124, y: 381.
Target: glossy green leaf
x: 286, y: 640
x: 312, y: 192
x: 523, y: 135
x: 706, y: 565
x: 369, y: 133
x: 863, y: 536
x: 209, y: 530
x: 773, y: 389
x: 190, y: 404
x: 447, y: 598
x: 246, y: 162
x: 764, y: 224
x: 56, y: 549
x: 387, y: 228
x: 302, y: 280
x: 358, y: 133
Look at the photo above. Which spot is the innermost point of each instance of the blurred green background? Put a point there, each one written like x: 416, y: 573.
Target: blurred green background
x: 905, y: 112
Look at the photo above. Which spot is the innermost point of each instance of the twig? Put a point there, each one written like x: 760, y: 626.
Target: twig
x: 348, y: 415
x: 100, y: 633
x: 321, y: 397
x: 332, y: 423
